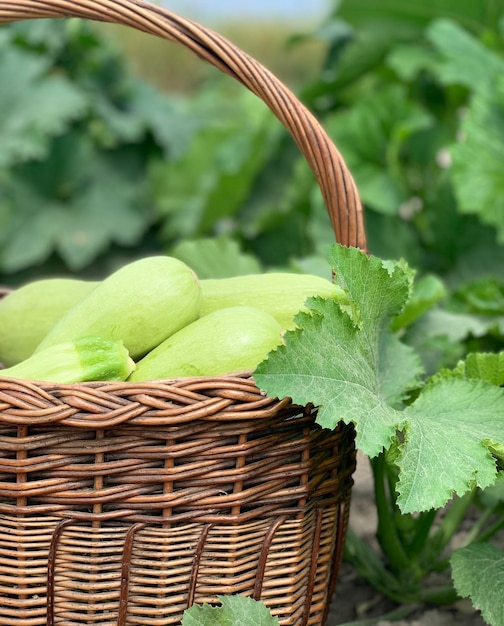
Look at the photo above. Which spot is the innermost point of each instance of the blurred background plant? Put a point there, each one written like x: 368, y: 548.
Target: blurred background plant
x: 116, y: 145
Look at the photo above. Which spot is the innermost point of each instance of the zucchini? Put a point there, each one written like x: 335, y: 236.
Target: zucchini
x: 281, y: 294
x: 85, y: 359
x: 28, y: 313
x: 224, y: 341
x: 140, y: 304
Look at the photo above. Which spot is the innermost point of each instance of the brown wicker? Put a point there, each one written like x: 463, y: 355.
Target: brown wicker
x: 125, y: 503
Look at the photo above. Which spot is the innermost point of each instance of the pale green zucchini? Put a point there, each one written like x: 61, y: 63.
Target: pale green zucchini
x: 224, y: 341
x: 280, y: 294
x: 140, y: 304
x: 29, y: 312
x: 82, y: 360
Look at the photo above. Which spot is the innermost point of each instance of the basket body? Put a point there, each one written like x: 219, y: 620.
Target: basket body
x: 124, y: 505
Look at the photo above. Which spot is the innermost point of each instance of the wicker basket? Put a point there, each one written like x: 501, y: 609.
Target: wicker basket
x: 124, y: 503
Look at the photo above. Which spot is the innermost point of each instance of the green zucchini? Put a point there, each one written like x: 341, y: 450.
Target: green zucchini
x: 224, y: 341
x: 281, y: 294
x: 29, y: 312
x: 140, y: 304
x: 82, y: 360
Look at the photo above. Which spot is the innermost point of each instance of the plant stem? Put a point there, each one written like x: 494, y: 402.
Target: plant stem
x: 490, y: 532
x: 423, y: 528
x: 369, y: 565
x: 475, y: 531
x: 447, y: 527
x: 439, y: 595
x: 386, y: 533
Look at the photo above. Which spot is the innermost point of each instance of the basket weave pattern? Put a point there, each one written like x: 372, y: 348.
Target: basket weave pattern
x: 123, y: 504
x: 127, y: 503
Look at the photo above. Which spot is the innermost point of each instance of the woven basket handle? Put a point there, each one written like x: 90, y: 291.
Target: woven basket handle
x: 336, y: 183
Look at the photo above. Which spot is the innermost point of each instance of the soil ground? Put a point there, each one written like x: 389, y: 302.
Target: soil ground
x: 355, y: 600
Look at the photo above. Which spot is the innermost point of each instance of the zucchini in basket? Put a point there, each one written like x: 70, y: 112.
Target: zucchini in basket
x: 228, y: 340
x: 29, y: 312
x: 281, y: 294
x: 82, y: 360
x: 141, y: 304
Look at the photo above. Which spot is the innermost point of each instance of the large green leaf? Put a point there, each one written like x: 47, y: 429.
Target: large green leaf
x: 478, y: 573
x: 34, y: 106
x: 75, y: 204
x: 444, y: 450
x: 347, y: 362
x: 351, y: 366
x: 487, y: 366
x: 478, y: 158
x: 464, y: 59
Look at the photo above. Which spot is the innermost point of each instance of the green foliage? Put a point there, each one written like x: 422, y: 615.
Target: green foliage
x: 315, y: 363
x: 463, y: 60
x: 78, y: 134
x: 404, y: 97
x: 347, y: 361
x: 27, y: 124
x: 195, y: 170
x: 371, y: 136
x: 233, y: 611
x: 445, y: 431
x: 477, y: 176
x: 203, y: 189
x: 75, y: 202
x: 488, y: 367
x: 478, y: 572
x: 427, y: 292
x: 415, y: 16
x: 429, y: 439
x: 415, y: 107
x: 216, y: 257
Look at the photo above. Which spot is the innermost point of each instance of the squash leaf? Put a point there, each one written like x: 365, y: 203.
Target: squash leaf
x: 445, y: 433
x: 478, y: 573
x: 348, y: 363
x: 477, y: 158
x: 464, y: 59
x: 74, y: 203
x: 216, y: 257
x: 35, y: 106
x: 235, y: 610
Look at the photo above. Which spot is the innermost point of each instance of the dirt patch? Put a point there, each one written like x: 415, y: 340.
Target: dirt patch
x: 355, y: 600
